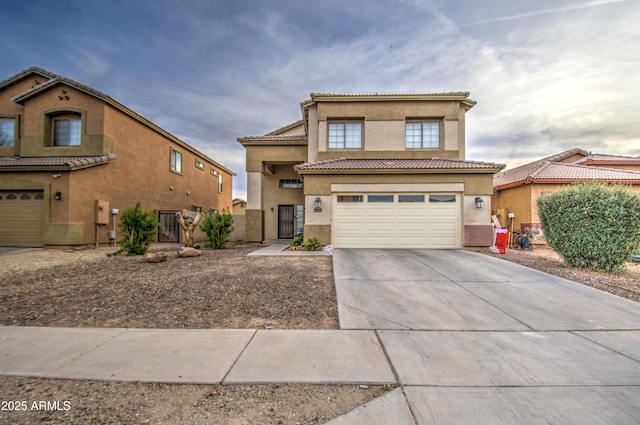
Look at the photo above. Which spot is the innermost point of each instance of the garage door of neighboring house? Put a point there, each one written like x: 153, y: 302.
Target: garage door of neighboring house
x: 416, y: 220
x: 22, y: 218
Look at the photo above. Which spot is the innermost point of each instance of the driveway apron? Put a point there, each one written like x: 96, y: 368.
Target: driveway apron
x: 475, y: 339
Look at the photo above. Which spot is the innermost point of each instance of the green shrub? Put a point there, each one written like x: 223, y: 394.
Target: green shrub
x: 312, y: 245
x: 218, y: 226
x: 593, y: 226
x: 138, y: 228
x: 297, y: 241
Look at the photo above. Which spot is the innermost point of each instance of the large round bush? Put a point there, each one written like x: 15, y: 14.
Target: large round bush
x: 594, y: 225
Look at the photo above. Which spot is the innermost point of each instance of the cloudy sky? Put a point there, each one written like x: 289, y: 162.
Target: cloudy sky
x: 548, y: 75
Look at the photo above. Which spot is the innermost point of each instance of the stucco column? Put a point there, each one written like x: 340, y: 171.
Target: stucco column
x: 254, y: 216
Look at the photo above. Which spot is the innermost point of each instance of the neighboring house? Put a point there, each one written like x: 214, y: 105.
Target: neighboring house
x: 72, y: 158
x: 382, y: 170
x: 516, y: 191
x: 239, y: 207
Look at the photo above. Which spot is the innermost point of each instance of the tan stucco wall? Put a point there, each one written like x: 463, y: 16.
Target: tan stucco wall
x: 474, y: 184
x: 384, y: 127
x: 258, y: 156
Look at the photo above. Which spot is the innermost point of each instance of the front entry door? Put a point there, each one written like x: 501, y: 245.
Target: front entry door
x: 285, y: 222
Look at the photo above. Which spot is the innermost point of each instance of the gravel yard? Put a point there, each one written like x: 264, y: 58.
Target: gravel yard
x: 220, y: 289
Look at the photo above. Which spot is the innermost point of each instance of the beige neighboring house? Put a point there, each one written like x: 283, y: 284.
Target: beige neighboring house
x: 516, y: 191
x: 380, y: 170
x: 72, y: 158
x: 239, y: 207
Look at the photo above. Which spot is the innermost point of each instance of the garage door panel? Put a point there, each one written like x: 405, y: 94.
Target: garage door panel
x: 380, y: 226
x: 399, y: 224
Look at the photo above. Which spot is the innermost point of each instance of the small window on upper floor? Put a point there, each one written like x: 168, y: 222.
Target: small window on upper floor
x: 7, y: 132
x: 345, y: 135
x: 422, y: 135
x: 199, y: 164
x: 67, y: 130
x: 176, y: 162
x: 290, y: 184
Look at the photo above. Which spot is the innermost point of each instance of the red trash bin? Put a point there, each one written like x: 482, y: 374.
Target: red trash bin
x: 502, y: 235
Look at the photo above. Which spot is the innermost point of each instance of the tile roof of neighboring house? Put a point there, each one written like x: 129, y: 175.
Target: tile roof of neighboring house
x: 55, y: 79
x: 608, y: 159
x: 55, y: 162
x: 406, y: 165
x: 549, y: 170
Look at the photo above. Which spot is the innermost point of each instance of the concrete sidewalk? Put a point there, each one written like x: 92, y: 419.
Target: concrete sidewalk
x: 467, y: 338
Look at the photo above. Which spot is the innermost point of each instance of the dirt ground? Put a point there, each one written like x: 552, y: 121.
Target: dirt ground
x: 220, y: 289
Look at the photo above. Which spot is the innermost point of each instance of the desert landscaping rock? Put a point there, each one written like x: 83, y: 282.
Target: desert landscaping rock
x: 185, y: 252
x: 154, y: 257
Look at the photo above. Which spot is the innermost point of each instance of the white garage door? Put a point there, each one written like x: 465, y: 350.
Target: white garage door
x: 397, y: 220
x: 21, y: 218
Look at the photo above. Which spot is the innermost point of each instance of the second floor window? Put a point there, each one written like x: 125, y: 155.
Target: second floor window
x: 422, y: 135
x: 67, y: 131
x: 176, y: 162
x: 345, y: 135
x: 7, y: 132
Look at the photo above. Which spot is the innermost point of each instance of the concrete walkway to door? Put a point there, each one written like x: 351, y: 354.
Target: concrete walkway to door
x: 475, y: 339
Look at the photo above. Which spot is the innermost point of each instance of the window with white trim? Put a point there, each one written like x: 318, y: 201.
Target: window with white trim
x: 219, y: 183
x: 345, y: 135
x: 67, y: 130
x: 7, y: 132
x: 176, y: 162
x: 422, y: 135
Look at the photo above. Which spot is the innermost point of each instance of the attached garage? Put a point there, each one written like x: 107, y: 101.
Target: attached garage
x: 392, y: 220
x: 22, y: 218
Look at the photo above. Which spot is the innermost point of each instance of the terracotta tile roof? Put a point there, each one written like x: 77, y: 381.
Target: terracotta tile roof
x: 396, y: 164
x: 274, y: 139
x: 442, y: 94
x: 608, y: 159
x: 549, y: 170
x: 285, y: 128
x: 65, y: 162
x: 562, y: 173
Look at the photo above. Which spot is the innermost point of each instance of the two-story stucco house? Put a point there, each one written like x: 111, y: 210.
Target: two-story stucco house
x: 72, y: 158
x: 383, y: 170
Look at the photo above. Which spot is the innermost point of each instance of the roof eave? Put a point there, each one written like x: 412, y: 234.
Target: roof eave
x: 326, y: 171
x: 23, y: 74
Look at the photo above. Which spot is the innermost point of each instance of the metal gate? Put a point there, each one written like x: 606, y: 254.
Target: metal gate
x: 285, y: 221
x: 169, y: 227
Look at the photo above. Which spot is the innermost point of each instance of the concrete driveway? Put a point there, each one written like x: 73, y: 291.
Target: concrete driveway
x: 475, y: 339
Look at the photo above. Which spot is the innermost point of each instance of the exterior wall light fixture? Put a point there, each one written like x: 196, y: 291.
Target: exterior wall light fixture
x: 57, y: 196
x: 318, y: 204
x: 479, y: 202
